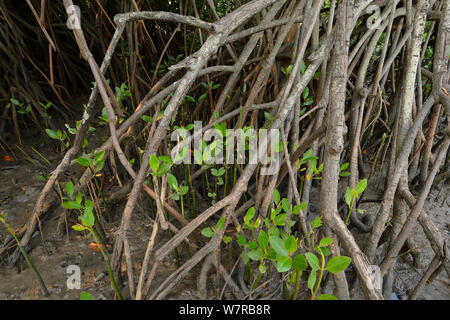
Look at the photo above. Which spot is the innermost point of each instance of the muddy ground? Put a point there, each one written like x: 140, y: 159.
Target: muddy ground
x: 20, y: 187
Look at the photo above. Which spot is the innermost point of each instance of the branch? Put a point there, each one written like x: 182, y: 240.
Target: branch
x: 123, y: 18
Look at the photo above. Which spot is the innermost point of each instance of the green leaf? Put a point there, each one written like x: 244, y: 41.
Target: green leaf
x: 245, y: 257
x: 212, y: 194
x: 221, y: 128
x: 278, y: 245
x: 262, y: 268
x: 52, y: 134
x: 326, y: 297
x: 302, y: 67
x: 41, y: 177
x: 250, y: 214
x: 208, y: 153
x: 220, y: 223
x: 163, y: 169
x: 284, y: 264
x: 302, y: 112
x: 221, y: 172
x: 15, y: 102
x: 273, y: 231
x: 252, y: 245
x: 361, y: 186
x: 276, y: 196
x: 69, y: 188
x: 312, y: 165
x: 306, y: 155
x: 88, y: 218
x: 104, y: 115
x: 147, y: 118
x: 257, y: 223
x: 198, y: 158
x: 242, y: 241
x: 271, y: 254
x: 348, y: 196
x: 317, y: 223
x: 99, y: 156
x: 208, y: 232
x: 300, y: 263
x: 191, y: 99
x: 86, y: 296
x: 289, y: 69
x: 344, y: 166
x: 226, y: 239
x: 83, y: 161
x: 175, y: 196
x: 306, y: 93
x: 263, y: 239
x: 79, y: 198
x: 99, y: 166
x: 312, y: 279
x: 320, y: 169
x: 325, y: 242
x: 302, y: 206
x: 72, y: 205
x: 202, y: 97
x: 203, y: 145
x: 308, y: 101
x: 290, y: 244
x: 89, y: 205
x: 323, y: 250
x: 173, y: 182
x: 280, y: 219
x: 273, y: 214
x: 286, y: 205
x: 244, y: 88
x: 255, y: 255
x: 344, y: 174
x: 181, y: 155
x: 338, y: 264
x: 183, y: 190
x: 154, y: 163
x: 78, y: 227
x: 312, y: 260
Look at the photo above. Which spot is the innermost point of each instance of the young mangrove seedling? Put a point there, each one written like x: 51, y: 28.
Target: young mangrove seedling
x: 179, y: 191
x: 209, y: 232
x: 87, y: 221
x: 276, y: 245
x: 27, y: 258
x: 86, y: 296
x: 352, y: 194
